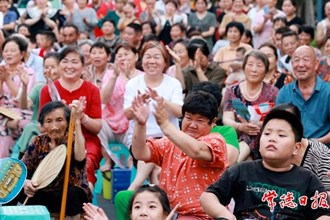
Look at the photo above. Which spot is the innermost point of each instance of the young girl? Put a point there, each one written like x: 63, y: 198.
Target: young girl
x: 148, y: 201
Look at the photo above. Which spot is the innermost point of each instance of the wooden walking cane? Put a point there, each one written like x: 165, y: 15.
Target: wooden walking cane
x: 67, y: 165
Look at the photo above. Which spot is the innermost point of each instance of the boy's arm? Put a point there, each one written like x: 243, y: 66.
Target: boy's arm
x: 213, y: 207
x: 140, y: 110
x: 189, y: 145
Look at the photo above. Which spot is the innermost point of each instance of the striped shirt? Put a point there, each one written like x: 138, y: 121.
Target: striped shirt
x: 317, y: 160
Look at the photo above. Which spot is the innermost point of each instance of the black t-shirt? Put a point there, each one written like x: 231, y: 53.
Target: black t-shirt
x: 296, y: 20
x: 248, y: 182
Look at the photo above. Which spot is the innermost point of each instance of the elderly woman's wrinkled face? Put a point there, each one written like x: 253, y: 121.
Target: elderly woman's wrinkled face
x: 51, y: 70
x: 182, y: 52
x: 254, y: 70
x: 125, y: 58
x: 11, y: 53
x: 55, y: 124
x: 99, y: 57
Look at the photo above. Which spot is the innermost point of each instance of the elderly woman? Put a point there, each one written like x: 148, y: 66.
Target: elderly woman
x: 13, y: 77
x: 253, y: 92
x: 71, y: 87
x: 54, y: 120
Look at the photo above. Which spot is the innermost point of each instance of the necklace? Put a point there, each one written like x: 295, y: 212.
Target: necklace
x: 252, y: 97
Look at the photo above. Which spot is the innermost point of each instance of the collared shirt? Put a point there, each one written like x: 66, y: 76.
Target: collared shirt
x: 184, y: 178
x: 315, y: 111
x: 36, y: 63
x: 214, y: 73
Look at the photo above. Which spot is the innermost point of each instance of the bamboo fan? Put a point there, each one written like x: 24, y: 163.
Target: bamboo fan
x: 49, y: 168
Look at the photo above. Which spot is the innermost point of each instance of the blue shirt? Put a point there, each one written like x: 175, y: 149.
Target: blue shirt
x: 315, y: 112
x: 9, y: 17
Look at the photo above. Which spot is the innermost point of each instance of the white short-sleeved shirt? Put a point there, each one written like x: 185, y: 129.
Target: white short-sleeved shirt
x: 170, y: 89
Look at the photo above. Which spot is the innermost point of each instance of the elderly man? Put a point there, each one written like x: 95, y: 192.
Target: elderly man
x: 310, y: 94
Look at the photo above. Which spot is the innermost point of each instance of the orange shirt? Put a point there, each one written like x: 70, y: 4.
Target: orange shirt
x: 226, y: 55
x: 184, y: 179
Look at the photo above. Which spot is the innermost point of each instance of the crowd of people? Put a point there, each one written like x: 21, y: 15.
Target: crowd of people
x: 151, y: 75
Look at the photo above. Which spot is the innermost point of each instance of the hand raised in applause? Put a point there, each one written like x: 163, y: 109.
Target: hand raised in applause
x: 140, y: 107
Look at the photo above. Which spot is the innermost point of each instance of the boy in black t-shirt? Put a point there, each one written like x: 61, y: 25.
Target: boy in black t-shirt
x: 271, y: 188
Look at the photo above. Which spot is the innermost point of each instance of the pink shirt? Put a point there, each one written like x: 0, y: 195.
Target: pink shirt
x: 184, y: 179
x: 17, y: 81
x: 113, y: 111
x: 266, y: 34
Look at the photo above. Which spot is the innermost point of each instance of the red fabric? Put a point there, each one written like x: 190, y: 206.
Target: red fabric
x: 101, y: 12
x: 42, y: 52
x: 184, y: 178
x: 93, y: 110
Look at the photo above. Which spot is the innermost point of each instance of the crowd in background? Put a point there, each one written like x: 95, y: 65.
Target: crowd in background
x: 111, y: 59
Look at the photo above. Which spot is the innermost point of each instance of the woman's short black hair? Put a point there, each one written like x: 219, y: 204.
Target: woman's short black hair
x: 198, y: 43
x: 180, y: 25
x: 238, y: 25
x: 101, y: 45
x: 293, y: 2
x: 201, y: 102
x: 53, y: 55
x: 52, y: 106
x: 151, y: 25
x: 126, y: 46
x: 108, y: 20
x: 289, y: 117
x: 271, y: 46
x: 71, y: 49
x: 20, y: 41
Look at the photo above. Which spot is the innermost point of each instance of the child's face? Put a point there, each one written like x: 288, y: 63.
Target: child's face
x: 108, y: 28
x: 43, y: 42
x: 24, y: 31
x: 196, y: 125
x: 277, y: 142
x: 239, y: 55
x: 146, y: 205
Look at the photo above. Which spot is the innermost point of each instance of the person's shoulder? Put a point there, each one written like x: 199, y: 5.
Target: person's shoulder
x: 224, y: 129
x: 316, y: 147
x: 288, y: 87
x: 270, y: 87
x: 89, y: 85
x: 245, y: 166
